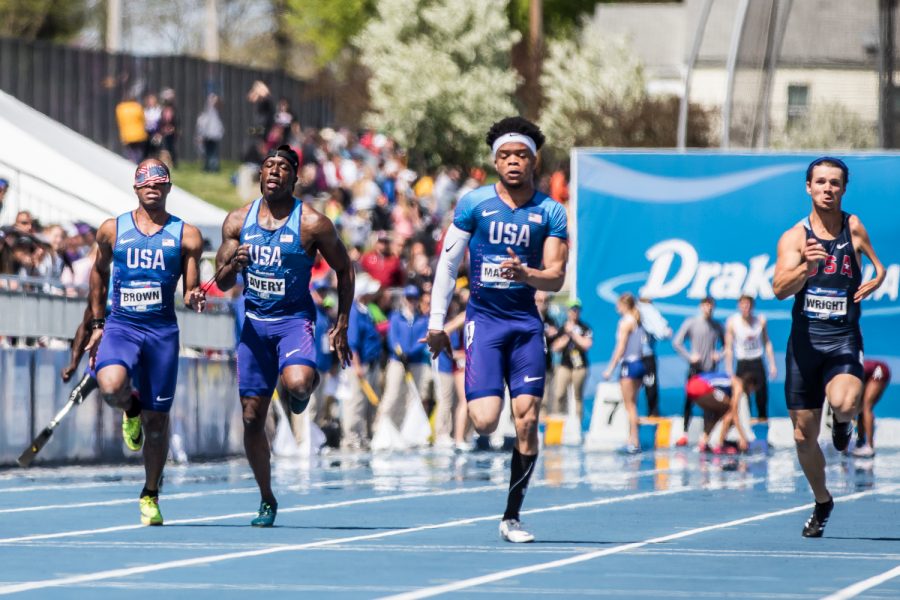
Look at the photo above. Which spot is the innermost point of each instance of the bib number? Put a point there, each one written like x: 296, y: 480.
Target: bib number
x: 141, y: 298
x: 265, y: 287
x: 825, y: 304
x: 491, y: 273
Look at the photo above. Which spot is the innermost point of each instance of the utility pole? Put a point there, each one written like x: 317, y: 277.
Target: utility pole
x: 113, y: 25
x: 886, y: 129
x: 211, y: 31
x: 535, y: 55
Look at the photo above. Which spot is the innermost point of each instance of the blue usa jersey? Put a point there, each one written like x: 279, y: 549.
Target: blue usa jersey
x: 277, y: 278
x: 146, y: 269
x: 494, y: 227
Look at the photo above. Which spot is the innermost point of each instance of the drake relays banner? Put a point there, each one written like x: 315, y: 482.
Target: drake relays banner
x: 676, y: 227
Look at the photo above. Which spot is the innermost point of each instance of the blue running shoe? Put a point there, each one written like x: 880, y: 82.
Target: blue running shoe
x: 265, y: 517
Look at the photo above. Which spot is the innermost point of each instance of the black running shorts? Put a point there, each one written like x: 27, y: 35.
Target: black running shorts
x: 812, y: 361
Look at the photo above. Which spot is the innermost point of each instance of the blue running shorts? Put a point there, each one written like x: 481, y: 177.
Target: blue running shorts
x: 267, y: 347
x: 498, y: 351
x: 633, y: 369
x: 150, y: 355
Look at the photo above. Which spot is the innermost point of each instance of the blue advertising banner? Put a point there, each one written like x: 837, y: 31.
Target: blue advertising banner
x: 676, y: 227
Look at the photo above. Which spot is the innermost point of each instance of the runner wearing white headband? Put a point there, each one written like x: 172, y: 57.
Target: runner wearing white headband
x: 511, y: 137
x: 516, y: 237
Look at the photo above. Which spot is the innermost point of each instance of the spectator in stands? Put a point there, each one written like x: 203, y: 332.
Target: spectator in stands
x: 264, y: 111
x: 382, y: 264
x: 551, y: 332
x: 168, y: 126
x: 4, y: 187
x: 152, y: 113
x: 573, y: 341
x: 407, y: 352
x: 210, y: 131
x: 705, y: 336
x: 367, y: 344
x: 130, y: 119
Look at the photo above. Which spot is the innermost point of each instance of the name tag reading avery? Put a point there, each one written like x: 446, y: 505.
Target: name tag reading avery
x: 266, y: 287
x: 825, y: 303
x: 140, y: 298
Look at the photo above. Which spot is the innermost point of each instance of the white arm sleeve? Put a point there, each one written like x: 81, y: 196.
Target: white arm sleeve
x: 455, y: 243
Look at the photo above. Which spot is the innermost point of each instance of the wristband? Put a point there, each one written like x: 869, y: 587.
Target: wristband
x: 98, y: 324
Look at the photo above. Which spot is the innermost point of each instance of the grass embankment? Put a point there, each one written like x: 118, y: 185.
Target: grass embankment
x: 215, y: 188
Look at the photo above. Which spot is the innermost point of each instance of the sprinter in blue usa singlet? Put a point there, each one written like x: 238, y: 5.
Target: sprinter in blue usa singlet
x: 819, y: 263
x: 273, y: 241
x: 148, y: 251
x: 517, y: 243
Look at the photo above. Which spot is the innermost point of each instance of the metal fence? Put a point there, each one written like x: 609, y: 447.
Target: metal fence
x: 80, y: 89
x: 27, y: 310
x: 205, y: 415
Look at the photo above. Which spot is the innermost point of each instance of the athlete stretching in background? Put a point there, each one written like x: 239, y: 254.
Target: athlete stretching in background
x: 274, y: 241
x: 516, y: 238
x: 819, y: 263
x: 150, y: 250
x: 877, y: 377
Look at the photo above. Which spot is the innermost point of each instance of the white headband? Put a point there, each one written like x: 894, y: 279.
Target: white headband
x: 508, y: 138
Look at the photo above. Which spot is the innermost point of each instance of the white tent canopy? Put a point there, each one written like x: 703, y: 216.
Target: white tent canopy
x: 63, y: 177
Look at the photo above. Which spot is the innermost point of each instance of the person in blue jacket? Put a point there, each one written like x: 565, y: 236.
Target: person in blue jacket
x: 407, y: 351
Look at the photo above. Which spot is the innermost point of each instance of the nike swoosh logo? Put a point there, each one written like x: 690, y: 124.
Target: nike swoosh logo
x: 450, y: 247
x: 530, y: 379
x: 292, y: 352
x: 250, y: 237
x: 839, y: 246
x: 487, y: 213
x: 158, y: 399
x: 128, y: 241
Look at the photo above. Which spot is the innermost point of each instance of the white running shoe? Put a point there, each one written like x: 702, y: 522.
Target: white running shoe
x: 864, y: 451
x: 511, y: 531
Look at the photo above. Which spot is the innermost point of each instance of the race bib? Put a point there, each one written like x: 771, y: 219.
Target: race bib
x: 265, y: 287
x: 491, y: 273
x: 826, y: 304
x: 752, y: 347
x: 140, y: 298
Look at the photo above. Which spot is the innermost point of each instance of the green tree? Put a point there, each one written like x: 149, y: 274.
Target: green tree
x: 590, y: 84
x: 327, y: 26
x: 56, y: 20
x: 440, y: 75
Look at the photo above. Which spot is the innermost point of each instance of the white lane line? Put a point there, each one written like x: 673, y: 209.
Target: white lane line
x: 176, y: 564
x: 120, y: 501
x: 304, y: 508
x: 509, y: 573
x: 345, y: 484
x: 859, y: 587
x: 321, y: 484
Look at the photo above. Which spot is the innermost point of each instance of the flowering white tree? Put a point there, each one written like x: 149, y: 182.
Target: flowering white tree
x: 590, y: 84
x: 829, y: 125
x: 440, y: 75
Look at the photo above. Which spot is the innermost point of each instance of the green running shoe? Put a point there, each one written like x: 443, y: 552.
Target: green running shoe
x: 150, y: 514
x: 266, y: 515
x: 132, y: 432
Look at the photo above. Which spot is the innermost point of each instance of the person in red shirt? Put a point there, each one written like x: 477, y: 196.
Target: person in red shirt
x: 384, y: 266
x: 877, y: 378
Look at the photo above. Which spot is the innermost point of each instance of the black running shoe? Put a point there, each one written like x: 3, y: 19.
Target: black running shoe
x: 815, y: 526
x: 840, y: 434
